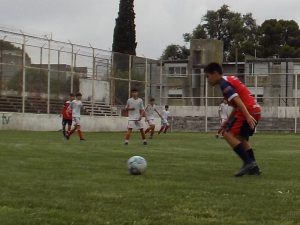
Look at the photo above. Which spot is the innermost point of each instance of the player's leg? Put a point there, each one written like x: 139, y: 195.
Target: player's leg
x: 231, y: 135
x: 130, y: 127
x: 64, y: 123
x: 139, y: 126
x: 69, y: 125
x: 161, y: 128
x: 167, y: 126
x: 128, y: 135
x: 78, y: 128
x: 152, y: 131
x: 69, y: 133
x: 143, y: 136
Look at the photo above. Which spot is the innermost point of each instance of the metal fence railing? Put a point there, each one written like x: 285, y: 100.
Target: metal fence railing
x: 37, y: 73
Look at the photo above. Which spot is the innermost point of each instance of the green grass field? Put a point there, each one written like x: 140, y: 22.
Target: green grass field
x: 47, y: 180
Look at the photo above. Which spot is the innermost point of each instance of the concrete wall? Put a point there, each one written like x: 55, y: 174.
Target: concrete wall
x: 44, y: 122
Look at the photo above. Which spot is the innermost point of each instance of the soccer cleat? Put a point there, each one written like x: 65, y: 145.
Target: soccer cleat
x: 255, y: 170
x: 125, y: 143
x: 245, y: 169
x: 145, y: 143
x: 82, y: 139
x: 67, y: 136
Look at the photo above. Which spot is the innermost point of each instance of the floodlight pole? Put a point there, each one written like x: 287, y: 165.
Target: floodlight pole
x: 206, y: 103
x: 160, y: 82
x: 72, y: 67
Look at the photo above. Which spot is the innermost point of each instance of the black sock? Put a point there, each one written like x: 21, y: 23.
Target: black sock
x: 240, y: 151
x: 251, y: 154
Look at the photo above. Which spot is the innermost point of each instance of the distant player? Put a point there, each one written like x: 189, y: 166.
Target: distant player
x: 66, y: 115
x: 149, y: 117
x: 224, y: 112
x: 242, y: 121
x: 165, y: 125
x: 136, y: 111
x: 76, y: 106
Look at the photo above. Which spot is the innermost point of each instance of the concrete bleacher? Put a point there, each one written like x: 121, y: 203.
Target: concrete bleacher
x: 100, y: 109
x: 39, y: 105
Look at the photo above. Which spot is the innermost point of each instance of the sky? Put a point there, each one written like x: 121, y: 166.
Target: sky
x: 158, y: 22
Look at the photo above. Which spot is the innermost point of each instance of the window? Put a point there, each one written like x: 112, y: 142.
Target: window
x: 197, y: 57
x: 177, y: 71
x: 175, y: 93
x: 171, y: 70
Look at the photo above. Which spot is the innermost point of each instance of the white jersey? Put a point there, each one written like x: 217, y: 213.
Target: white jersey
x: 137, y: 105
x: 150, y: 110
x: 224, y: 111
x: 165, y: 115
x: 76, y: 108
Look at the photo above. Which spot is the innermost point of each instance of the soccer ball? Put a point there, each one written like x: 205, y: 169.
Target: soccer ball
x: 136, y: 165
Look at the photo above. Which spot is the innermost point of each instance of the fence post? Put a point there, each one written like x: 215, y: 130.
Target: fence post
x: 129, y: 76
x: 72, y: 68
x: 296, y: 101
x: 206, y: 103
x: 23, y: 73
x: 146, y: 81
x: 160, y: 82
x: 93, y: 81
x: 255, y: 83
x: 111, y: 88
x: 49, y: 74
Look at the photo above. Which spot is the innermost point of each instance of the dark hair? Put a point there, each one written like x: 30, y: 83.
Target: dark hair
x: 213, y: 67
x: 166, y: 106
x: 134, y: 90
x: 78, y: 94
x: 72, y: 95
x: 152, y: 99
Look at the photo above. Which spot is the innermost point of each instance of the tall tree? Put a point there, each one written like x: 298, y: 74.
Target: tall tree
x: 124, y: 40
x: 280, y: 37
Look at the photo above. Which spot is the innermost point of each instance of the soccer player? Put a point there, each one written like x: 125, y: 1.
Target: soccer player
x: 164, y: 120
x: 66, y: 115
x: 149, y: 117
x: 76, y: 106
x: 224, y: 112
x: 136, y: 111
x: 242, y: 122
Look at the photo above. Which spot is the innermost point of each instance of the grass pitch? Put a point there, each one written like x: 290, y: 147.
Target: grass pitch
x: 47, y: 180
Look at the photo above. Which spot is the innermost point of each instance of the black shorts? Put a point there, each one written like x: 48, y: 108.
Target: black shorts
x: 239, y: 126
x: 66, y: 121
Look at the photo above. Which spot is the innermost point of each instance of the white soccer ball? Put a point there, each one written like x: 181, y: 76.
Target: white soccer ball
x: 136, y: 165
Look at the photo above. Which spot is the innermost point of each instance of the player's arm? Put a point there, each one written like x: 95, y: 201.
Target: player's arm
x: 158, y: 113
x: 251, y: 121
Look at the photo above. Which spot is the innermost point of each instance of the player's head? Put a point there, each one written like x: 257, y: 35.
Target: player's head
x: 225, y: 101
x: 213, y: 72
x: 152, y: 101
x: 72, y: 96
x: 134, y: 93
x: 166, y: 107
x: 78, y: 96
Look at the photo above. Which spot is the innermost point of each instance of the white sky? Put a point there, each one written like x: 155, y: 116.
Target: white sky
x: 159, y: 22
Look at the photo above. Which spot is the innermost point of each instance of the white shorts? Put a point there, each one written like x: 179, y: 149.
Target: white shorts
x: 165, y: 123
x: 76, y: 121
x: 223, y: 120
x: 151, y: 122
x: 135, y: 124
